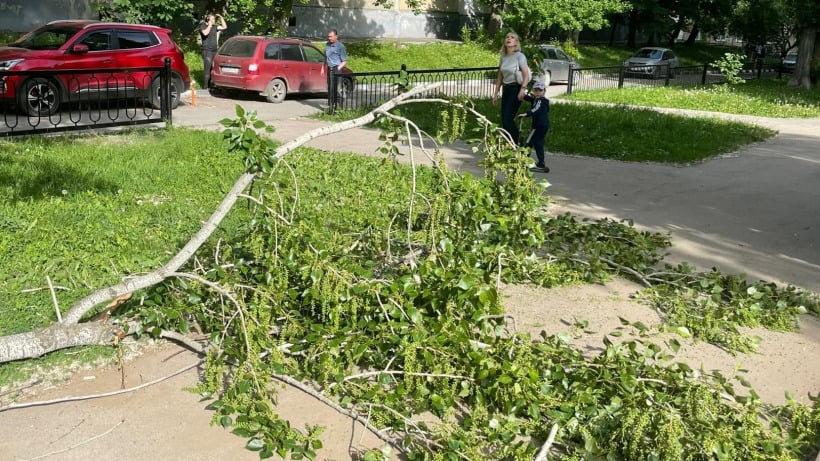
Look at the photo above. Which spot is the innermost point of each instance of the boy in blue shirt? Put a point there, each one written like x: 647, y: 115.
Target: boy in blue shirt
x: 540, y: 113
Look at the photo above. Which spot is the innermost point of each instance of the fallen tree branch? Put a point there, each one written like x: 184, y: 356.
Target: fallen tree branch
x: 545, y: 448
x: 57, y: 452
x: 405, y: 373
x: 57, y: 336
x: 350, y: 414
x: 14, y: 347
x: 17, y: 406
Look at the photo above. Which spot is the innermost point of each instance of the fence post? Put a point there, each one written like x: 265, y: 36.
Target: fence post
x: 571, y: 81
x: 621, y: 77
x: 668, y: 74
x: 705, y: 71
x: 331, y: 98
x: 165, y: 92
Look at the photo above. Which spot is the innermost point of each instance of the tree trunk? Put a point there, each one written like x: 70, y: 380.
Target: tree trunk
x: 613, y: 30
x: 633, y: 29
x: 693, y: 35
x: 495, y: 24
x: 54, y: 337
x: 802, y: 72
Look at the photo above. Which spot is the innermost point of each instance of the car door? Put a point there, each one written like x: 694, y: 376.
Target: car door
x: 670, y: 58
x: 564, y: 64
x: 558, y: 68
x: 295, y: 69
x: 91, y: 51
x: 136, y: 49
x: 315, y: 60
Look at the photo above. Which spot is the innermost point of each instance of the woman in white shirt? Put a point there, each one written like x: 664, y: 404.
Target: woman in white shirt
x: 512, y: 80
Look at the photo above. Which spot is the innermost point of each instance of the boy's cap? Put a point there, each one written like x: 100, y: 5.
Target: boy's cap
x: 539, y: 86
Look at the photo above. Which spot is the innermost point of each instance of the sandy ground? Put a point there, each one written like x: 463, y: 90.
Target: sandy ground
x: 166, y: 422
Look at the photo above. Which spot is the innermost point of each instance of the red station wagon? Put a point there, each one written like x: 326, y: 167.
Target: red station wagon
x: 89, y: 45
x: 274, y: 67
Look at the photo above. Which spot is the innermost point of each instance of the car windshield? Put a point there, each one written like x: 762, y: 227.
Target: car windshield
x: 239, y: 48
x: 47, y: 38
x: 648, y: 53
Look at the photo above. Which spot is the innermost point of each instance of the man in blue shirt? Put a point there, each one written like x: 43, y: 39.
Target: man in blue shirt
x: 336, y: 56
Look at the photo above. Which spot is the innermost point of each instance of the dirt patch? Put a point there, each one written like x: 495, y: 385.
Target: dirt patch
x: 165, y: 422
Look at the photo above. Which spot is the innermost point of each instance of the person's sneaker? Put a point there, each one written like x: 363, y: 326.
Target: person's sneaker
x: 546, y: 169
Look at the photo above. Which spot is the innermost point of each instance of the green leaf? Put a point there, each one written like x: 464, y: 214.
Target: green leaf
x: 255, y: 444
x: 684, y: 332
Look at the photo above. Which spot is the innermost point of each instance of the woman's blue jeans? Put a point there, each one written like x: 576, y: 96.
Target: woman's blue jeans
x: 509, y: 109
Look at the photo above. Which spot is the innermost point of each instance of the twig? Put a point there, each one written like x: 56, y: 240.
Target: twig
x: 34, y: 290
x: 406, y: 373
x: 54, y: 300
x: 76, y: 445
x: 545, y: 448
x: 635, y: 273
x: 406, y: 420
x: 351, y: 414
x: 179, y: 337
x: 17, y: 406
x: 501, y: 316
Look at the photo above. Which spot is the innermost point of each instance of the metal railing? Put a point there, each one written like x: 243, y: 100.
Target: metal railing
x: 35, y: 102
x: 369, y: 89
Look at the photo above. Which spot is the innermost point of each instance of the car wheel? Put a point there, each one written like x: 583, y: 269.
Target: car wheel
x: 672, y: 72
x: 345, y: 87
x: 156, y: 93
x: 276, y: 91
x: 39, y: 97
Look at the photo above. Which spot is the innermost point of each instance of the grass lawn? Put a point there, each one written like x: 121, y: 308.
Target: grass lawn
x: 766, y: 98
x: 123, y: 202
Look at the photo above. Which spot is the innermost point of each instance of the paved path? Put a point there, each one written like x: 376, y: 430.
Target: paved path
x: 756, y: 211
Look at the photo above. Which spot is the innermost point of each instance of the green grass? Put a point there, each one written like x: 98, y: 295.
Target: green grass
x: 389, y: 56
x: 767, y: 98
x: 124, y: 202
x: 86, y: 211
x: 195, y: 66
x: 620, y: 133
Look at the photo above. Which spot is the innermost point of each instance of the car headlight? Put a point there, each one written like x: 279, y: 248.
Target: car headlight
x: 9, y: 63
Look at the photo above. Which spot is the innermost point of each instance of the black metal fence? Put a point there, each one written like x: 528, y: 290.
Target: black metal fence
x: 596, y: 78
x: 35, y: 102
x: 370, y: 89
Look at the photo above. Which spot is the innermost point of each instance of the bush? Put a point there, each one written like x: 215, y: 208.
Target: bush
x: 730, y: 65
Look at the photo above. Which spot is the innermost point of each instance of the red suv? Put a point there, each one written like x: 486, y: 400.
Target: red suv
x: 113, y: 49
x: 273, y: 67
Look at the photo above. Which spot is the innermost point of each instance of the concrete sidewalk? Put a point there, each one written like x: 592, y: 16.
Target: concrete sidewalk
x: 756, y: 211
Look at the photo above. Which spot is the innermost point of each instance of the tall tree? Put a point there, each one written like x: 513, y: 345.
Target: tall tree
x: 783, y: 22
x: 530, y: 17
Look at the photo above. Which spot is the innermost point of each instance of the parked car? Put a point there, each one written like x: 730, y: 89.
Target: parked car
x: 789, y: 62
x: 554, y: 64
x: 274, y: 67
x: 652, y: 62
x: 85, y: 45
